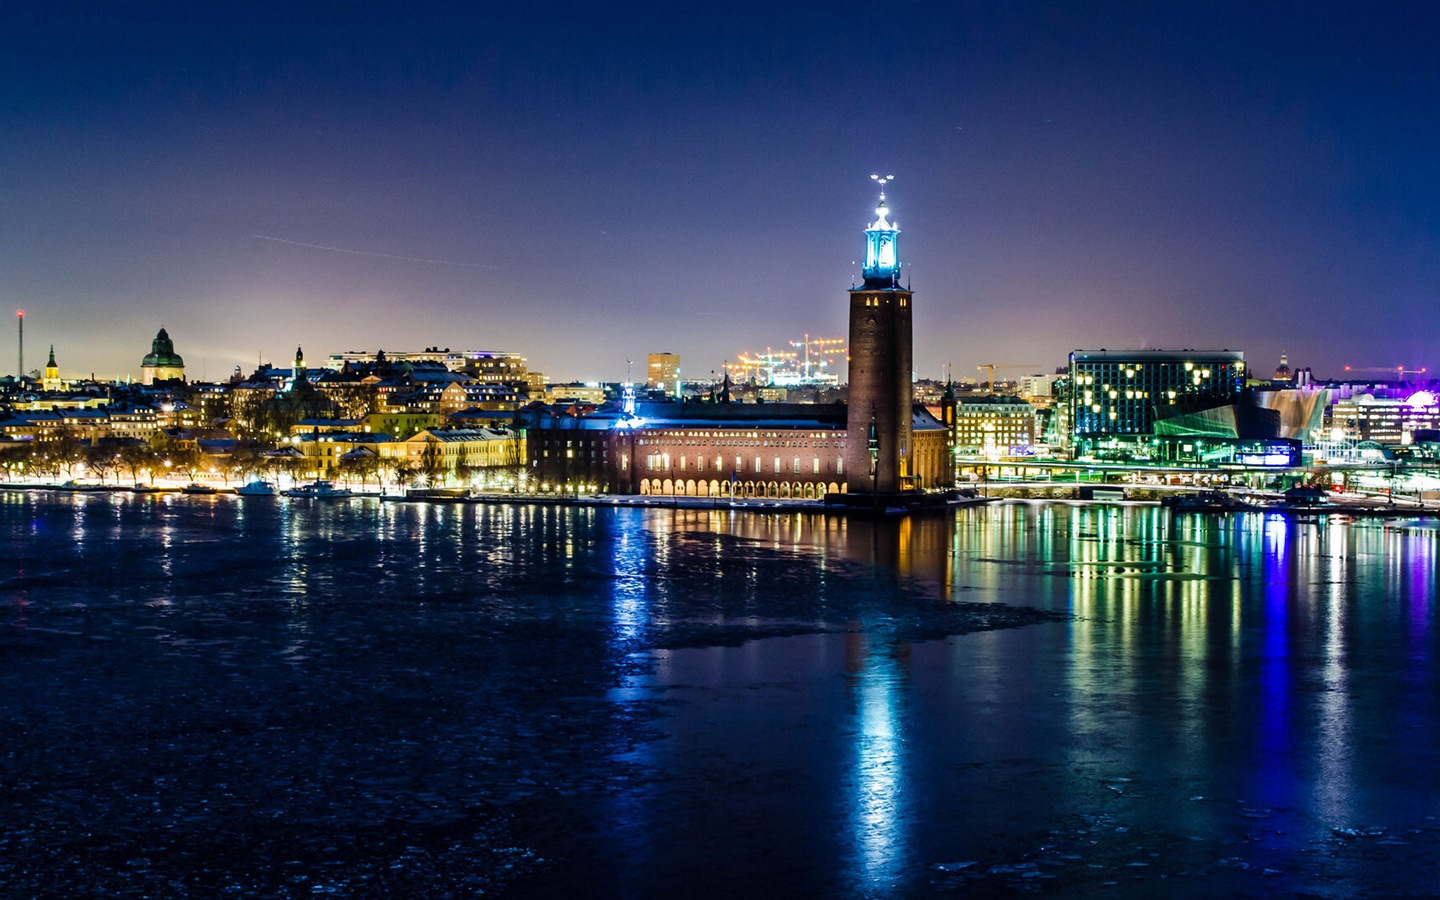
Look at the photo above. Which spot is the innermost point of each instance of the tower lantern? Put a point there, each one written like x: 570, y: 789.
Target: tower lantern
x: 882, y: 244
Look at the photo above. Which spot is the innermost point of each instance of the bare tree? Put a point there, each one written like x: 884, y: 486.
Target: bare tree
x: 135, y: 458
x: 432, y: 462
x: 466, y: 468
x: 101, y: 461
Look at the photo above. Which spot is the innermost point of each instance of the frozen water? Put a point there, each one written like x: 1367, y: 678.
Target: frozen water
x: 204, y: 697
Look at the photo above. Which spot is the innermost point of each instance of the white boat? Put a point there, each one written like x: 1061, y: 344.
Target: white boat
x: 257, y: 489
x: 320, y: 490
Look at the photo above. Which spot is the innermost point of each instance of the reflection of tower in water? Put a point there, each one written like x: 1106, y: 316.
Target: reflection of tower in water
x: 877, y: 671
x: 913, y: 547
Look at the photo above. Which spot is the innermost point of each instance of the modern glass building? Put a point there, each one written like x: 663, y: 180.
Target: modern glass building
x: 1119, y: 392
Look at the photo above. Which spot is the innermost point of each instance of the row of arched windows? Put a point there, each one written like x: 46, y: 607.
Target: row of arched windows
x: 782, y: 490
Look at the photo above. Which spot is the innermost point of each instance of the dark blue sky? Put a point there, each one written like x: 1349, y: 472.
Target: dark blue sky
x: 587, y: 183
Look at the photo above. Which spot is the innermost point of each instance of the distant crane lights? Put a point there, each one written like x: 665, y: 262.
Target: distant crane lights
x: 824, y: 347
x: 818, y: 357
x: 1400, y: 371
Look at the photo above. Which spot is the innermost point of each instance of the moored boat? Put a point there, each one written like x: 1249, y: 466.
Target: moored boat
x: 257, y: 488
x: 81, y: 486
x: 197, y: 488
x: 1206, y: 501
x: 319, y: 490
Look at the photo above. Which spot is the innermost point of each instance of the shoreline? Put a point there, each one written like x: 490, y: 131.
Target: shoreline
x: 758, y: 504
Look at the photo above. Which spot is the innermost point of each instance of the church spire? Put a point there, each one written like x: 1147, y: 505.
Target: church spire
x: 297, y: 374
x: 51, y: 379
x: 882, y: 252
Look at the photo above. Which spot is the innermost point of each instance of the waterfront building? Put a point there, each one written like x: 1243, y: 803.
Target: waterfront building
x: 1302, y: 411
x: 88, y: 423
x: 721, y: 448
x: 489, y: 454
x: 993, y: 427
x: 1122, y: 393
x: 779, y: 450
x: 162, y: 363
x: 878, y: 420
x: 325, y: 452
x: 764, y: 450
x: 569, y: 445
x: 1388, y: 422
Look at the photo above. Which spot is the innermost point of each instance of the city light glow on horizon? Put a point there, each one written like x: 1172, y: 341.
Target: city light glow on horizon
x: 1051, y: 202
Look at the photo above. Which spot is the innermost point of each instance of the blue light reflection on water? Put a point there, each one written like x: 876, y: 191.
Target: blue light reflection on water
x: 879, y: 784
x: 630, y: 809
x: 1273, y: 760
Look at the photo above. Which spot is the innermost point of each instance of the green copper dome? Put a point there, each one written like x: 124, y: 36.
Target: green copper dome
x: 162, y: 353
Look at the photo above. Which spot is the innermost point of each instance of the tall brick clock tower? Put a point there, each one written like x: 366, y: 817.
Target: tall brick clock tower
x: 877, y: 443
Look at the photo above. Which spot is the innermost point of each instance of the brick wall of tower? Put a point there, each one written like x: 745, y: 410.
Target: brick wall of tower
x: 880, y: 386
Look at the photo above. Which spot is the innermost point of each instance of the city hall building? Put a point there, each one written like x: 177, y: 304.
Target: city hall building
x: 878, y: 442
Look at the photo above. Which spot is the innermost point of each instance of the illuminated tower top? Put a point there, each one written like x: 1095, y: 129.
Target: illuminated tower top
x: 298, y: 373
x: 51, y: 379
x: 882, y: 252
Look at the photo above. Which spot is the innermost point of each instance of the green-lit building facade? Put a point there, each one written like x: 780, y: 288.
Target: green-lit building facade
x: 1122, y: 393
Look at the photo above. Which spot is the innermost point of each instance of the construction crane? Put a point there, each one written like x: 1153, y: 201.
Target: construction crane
x: 991, y: 367
x: 824, y: 348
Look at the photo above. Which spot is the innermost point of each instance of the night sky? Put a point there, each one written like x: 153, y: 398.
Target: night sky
x: 589, y: 183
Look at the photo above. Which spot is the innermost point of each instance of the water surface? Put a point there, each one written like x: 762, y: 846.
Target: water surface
x: 256, y: 696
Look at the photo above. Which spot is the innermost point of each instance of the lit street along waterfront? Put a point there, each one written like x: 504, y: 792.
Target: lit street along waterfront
x: 221, y: 696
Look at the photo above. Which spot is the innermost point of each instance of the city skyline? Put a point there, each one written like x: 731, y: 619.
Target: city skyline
x: 587, y: 185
